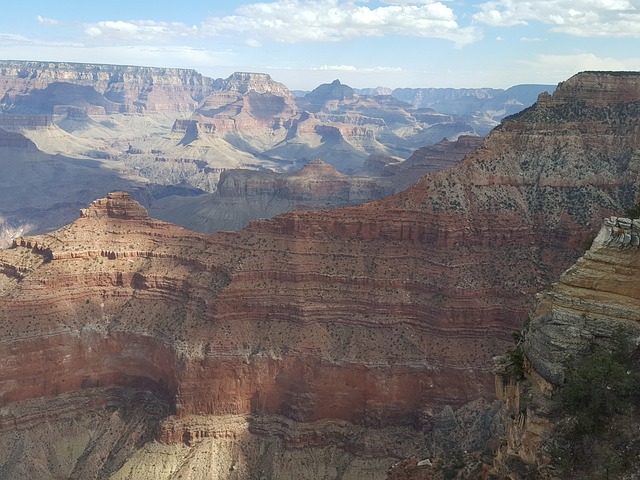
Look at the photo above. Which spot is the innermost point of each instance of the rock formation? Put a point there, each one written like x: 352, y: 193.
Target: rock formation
x: 243, y: 195
x: 331, y: 123
x: 378, y: 315
x: 136, y: 89
x: 429, y: 159
x: 328, y: 93
x: 593, y: 301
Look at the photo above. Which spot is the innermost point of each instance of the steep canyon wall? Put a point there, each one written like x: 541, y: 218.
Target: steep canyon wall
x: 378, y: 315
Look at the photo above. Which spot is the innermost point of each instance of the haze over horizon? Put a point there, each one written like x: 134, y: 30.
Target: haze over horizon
x: 303, y: 43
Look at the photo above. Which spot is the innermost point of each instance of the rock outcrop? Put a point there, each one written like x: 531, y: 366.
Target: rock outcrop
x: 116, y: 205
x: 593, y: 301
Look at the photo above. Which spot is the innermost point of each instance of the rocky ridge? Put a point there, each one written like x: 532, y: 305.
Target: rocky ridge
x: 243, y: 195
x: 134, y: 88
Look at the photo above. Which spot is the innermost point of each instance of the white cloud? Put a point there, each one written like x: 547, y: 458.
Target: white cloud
x: 47, y: 21
x: 10, y: 38
x: 530, y: 39
x: 252, y: 42
x: 138, y: 30
x: 17, y: 47
x: 292, y: 21
x: 582, y: 18
x: 337, y: 68
x: 408, y: 2
x: 351, y: 68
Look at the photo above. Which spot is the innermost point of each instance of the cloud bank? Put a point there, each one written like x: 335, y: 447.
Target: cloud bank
x: 581, y: 18
x: 291, y: 21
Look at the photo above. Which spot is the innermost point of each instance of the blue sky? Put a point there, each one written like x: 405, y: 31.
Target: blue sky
x: 303, y: 43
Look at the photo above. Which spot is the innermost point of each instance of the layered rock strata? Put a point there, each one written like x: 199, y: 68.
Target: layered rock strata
x: 593, y: 301
x: 135, y: 88
x: 166, y: 127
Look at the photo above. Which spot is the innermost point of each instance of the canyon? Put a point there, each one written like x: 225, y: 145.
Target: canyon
x: 316, y: 344
x: 245, y: 195
x: 160, y: 132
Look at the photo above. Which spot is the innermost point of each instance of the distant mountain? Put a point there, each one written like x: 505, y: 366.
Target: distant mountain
x: 330, y: 92
x: 374, y: 91
x: 487, y: 105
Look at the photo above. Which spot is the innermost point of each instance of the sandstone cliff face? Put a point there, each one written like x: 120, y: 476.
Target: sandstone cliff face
x: 378, y: 315
x: 593, y: 298
x: 593, y: 301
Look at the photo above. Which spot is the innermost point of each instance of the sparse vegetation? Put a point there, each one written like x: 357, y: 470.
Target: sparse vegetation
x: 633, y: 212
x: 597, y: 402
x: 452, y: 463
x: 515, y: 357
x: 599, y: 385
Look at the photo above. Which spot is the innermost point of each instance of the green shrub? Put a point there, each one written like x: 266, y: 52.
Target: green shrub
x: 515, y: 357
x: 598, y: 385
x: 633, y: 212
